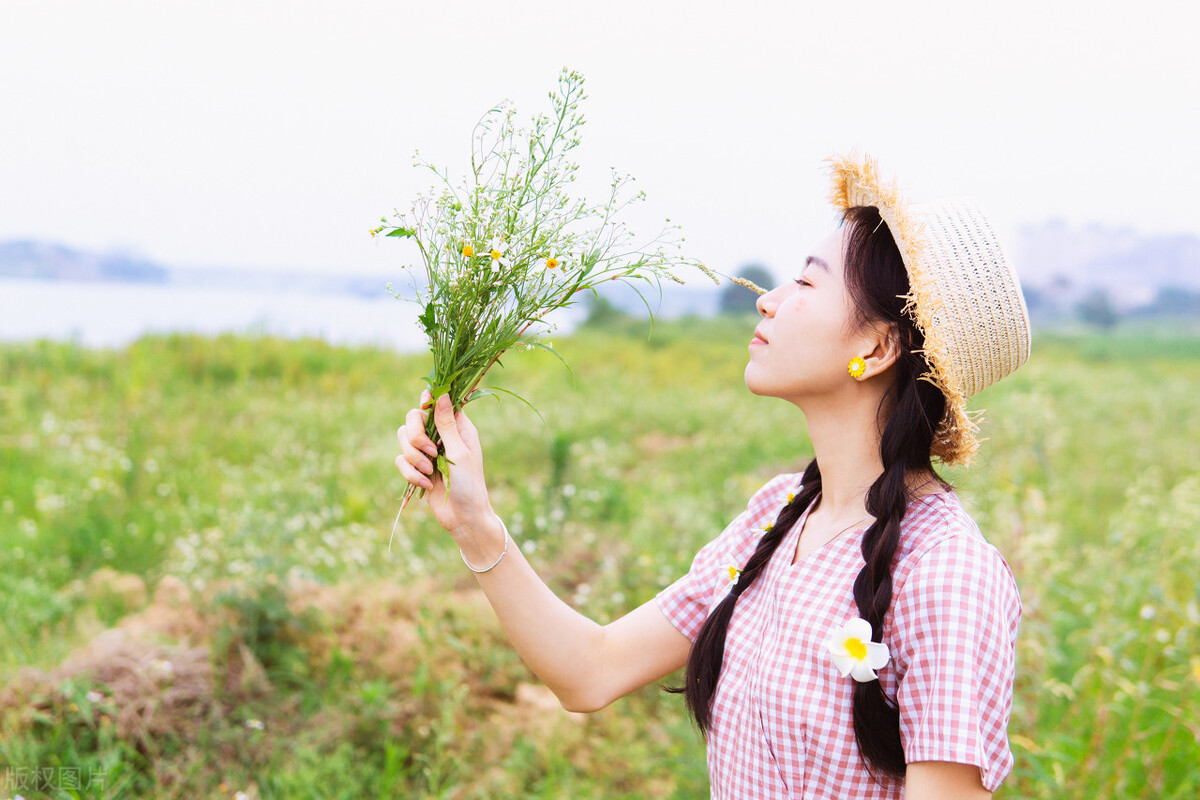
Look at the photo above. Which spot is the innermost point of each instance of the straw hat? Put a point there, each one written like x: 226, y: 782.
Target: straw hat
x: 964, y: 295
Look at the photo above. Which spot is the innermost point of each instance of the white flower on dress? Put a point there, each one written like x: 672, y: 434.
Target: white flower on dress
x: 854, y: 653
x: 731, y: 574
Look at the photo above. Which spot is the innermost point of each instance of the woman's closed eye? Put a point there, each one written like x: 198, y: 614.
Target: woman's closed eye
x: 803, y: 282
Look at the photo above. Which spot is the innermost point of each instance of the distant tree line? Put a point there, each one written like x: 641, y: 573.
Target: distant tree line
x: 737, y: 299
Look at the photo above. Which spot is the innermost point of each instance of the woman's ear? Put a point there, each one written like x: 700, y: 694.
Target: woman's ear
x: 885, y: 349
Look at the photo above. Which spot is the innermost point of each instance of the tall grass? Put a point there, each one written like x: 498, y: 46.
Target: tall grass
x: 240, y: 464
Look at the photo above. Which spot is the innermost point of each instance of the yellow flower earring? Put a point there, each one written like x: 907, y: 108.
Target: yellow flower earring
x: 857, y: 367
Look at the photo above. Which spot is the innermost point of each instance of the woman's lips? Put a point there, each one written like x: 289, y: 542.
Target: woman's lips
x: 757, y: 340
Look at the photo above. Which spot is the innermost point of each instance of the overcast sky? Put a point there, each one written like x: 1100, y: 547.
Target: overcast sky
x: 275, y: 134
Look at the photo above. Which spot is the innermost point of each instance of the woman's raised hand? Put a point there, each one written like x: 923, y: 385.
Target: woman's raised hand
x: 467, y: 506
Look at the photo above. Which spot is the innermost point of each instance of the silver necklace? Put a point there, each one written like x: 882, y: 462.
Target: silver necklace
x: 826, y: 542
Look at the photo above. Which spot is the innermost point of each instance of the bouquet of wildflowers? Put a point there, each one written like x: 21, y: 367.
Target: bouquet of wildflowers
x: 510, y: 244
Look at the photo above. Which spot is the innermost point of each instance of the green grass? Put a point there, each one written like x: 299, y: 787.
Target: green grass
x: 259, y: 460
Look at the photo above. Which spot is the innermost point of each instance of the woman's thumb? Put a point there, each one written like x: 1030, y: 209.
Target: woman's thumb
x: 468, y: 431
x: 443, y: 419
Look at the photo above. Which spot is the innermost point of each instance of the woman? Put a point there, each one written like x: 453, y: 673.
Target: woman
x: 851, y: 634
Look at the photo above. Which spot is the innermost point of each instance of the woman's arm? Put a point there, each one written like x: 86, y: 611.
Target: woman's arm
x: 586, y: 665
x: 942, y: 780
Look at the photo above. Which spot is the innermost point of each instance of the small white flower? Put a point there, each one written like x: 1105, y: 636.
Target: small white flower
x: 94, y: 697
x: 854, y: 653
x: 731, y: 574
x: 551, y: 261
x: 255, y: 724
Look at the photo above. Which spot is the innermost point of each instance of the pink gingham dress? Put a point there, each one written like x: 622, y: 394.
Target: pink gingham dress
x: 782, y: 725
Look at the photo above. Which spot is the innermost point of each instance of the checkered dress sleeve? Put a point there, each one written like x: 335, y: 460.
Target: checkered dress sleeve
x: 956, y: 616
x: 688, y: 601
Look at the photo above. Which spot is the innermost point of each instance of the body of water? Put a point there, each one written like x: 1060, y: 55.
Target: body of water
x: 97, y: 314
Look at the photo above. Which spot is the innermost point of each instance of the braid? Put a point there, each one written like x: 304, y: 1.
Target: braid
x: 875, y: 278
x: 708, y: 651
x: 905, y: 445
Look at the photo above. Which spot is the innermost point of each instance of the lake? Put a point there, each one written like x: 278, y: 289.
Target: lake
x: 107, y: 315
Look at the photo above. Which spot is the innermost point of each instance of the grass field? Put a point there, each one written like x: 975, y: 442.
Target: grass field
x: 204, y: 524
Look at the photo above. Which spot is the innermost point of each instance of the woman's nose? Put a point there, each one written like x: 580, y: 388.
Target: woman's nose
x: 766, y: 303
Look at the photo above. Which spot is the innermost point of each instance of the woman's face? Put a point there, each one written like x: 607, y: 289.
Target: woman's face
x: 808, y: 330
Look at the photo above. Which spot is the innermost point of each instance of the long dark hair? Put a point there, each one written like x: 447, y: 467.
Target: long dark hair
x: 875, y: 280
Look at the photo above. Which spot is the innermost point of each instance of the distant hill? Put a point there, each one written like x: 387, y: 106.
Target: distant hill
x: 1063, y: 264
x: 51, y: 261
x: 26, y: 258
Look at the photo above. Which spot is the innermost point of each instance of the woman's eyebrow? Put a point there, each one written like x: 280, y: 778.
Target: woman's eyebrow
x: 819, y: 262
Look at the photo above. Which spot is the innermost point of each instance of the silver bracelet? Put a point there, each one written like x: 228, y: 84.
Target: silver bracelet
x: 503, y: 553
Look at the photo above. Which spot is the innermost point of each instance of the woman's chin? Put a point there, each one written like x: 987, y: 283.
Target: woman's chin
x: 754, y: 385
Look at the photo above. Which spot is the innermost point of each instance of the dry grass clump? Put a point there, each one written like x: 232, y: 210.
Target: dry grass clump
x: 185, y: 667
x: 150, y: 675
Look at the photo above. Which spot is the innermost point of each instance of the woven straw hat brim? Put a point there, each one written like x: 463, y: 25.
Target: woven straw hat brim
x: 964, y: 296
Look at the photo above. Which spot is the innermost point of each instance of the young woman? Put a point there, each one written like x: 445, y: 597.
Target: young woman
x: 851, y: 633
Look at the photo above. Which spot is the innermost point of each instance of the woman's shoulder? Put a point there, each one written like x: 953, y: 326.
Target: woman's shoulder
x: 940, y: 538
x: 761, y: 510
x: 775, y: 493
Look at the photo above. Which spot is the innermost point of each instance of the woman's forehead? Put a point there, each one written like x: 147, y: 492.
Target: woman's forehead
x: 827, y: 256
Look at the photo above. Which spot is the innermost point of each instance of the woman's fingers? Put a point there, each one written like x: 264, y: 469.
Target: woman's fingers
x: 413, y: 456
x: 410, y: 473
x: 416, y: 460
x: 414, y: 424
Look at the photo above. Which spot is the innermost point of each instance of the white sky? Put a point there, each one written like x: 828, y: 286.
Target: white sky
x: 275, y: 134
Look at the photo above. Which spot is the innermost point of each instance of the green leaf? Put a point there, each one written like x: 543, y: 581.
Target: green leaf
x: 478, y: 393
x: 522, y: 399
x: 427, y: 320
x: 556, y: 355
x: 403, y: 232
x: 443, y: 466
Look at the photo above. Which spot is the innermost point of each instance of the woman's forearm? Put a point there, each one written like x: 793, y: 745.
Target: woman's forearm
x: 558, y: 643
x: 586, y: 665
